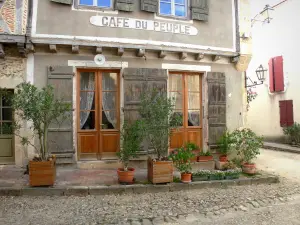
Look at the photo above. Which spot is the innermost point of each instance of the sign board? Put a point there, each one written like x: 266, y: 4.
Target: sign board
x: 150, y: 25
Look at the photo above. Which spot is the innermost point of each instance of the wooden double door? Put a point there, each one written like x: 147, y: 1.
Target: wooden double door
x: 98, y: 117
x: 186, y: 91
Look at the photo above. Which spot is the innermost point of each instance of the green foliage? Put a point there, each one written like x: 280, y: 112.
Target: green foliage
x: 191, y: 146
x: 247, y: 144
x: 156, y: 111
x: 131, y: 139
x: 224, y: 143
x: 202, y: 173
x: 229, y: 166
x: 232, y: 173
x: 293, y: 133
x: 182, y: 159
x: 217, y: 175
x: 41, y: 108
x: 207, y: 153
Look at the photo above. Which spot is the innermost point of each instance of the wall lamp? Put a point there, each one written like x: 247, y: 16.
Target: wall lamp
x: 260, y: 73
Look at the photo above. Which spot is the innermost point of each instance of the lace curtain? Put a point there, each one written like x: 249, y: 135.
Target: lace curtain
x: 109, y: 98
x: 87, y: 82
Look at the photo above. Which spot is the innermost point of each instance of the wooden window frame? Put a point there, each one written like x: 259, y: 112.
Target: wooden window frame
x: 185, y: 98
x: 1, y: 116
x: 172, y: 15
x: 98, y: 115
x: 94, y: 6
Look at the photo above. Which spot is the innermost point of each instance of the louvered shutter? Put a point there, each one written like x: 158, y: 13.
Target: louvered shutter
x: 278, y: 73
x: 149, y: 5
x: 125, y: 5
x: 60, y: 136
x: 271, y: 76
x: 286, y: 113
x: 216, y: 106
x: 67, y: 2
x: 282, y: 111
x: 200, y: 9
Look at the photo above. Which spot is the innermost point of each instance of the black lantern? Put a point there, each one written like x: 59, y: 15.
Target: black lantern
x: 264, y: 14
x: 260, y: 73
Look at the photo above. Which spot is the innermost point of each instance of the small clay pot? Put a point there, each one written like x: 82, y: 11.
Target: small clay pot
x: 186, y: 177
x: 223, y: 158
x: 203, y: 158
x: 126, y: 176
x: 249, y: 168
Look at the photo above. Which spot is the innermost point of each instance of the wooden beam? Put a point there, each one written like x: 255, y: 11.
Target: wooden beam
x: 216, y: 58
x: 182, y: 55
x: 30, y: 47
x: 2, y: 53
x: 8, y: 38
x: 98, y: 50
x: 162, y: 54
x: 22, y: 49
x: 235, y: 59
x: 141, y: 52
x: 53, y: 48
x: 120, y: 51
x: 75, y: 49
x: 199, y: 56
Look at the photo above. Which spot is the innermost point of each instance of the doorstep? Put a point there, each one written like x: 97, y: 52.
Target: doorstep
x: 133, y: 189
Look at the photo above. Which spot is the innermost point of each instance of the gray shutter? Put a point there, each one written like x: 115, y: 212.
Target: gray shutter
x: 61, y: 135
x: 135, y: 82
x: 200, y: 9
x: 216, y: 106
x: 67, y: 2
x: 125, y: 5
x: 149, y: 5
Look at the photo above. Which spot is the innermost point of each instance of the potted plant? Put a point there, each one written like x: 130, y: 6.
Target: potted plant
x: 131, y: 139
x: 205, y: 156
x: 232, y: 173
x: 195, y: 149
x: 217, y: 175
x: 182, y: 160
x: 293, y: 133
x: 156, y: 110
x: 201, y: 175
x: 224, y: 146
x: 41, y: 108
x: 247, y: 145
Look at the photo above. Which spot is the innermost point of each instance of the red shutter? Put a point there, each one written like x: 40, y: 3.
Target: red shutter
x: 278, y: 73
x: 289, y: 113
x: 286, y: 113
x: 283, y: 116
x: 271, y: 76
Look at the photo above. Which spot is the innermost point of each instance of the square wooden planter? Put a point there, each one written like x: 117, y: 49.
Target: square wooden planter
x: 160, y: 171
x: 42, y: 173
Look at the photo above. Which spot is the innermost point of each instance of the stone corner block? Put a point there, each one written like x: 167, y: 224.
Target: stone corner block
x: 43, y: 191
x: 77, y: 191
x: 10, y: 191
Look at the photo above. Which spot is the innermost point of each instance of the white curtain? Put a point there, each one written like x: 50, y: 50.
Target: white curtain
x: 109, y: 98
x: 87, y: 82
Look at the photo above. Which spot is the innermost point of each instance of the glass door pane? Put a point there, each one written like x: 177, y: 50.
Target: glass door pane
x: 177, y: 95
x: 193, y: 100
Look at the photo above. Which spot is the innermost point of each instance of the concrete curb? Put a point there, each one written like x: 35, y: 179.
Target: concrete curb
x: 131, y: 189
x: 281, y: 149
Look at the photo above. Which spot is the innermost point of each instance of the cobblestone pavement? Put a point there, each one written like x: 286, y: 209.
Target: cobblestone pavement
x: 185, y: 207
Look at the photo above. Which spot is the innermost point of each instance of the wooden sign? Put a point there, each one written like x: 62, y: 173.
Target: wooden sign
x: 150, y: 25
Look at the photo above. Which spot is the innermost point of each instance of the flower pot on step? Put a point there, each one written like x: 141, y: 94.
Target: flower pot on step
x: 42, y: 173
x: 160, y: 171
x: 249, y: 168
x: 186, y: 177
x: 223, y: 158
x: 203, y: 158
x: 126, y: 177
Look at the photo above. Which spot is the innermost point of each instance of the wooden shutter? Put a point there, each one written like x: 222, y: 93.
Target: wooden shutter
x: 286, y: 113
x: 149, y: 5
x: 135, y: 82
x: 125, y: 5
x: 61, y: 135
x: 278, y: 73
x: 67, y: 2
x: 216, y: 106
x: 200, y: 9
x: 271, y: 76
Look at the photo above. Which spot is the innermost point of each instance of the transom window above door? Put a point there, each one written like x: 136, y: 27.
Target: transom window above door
x: 175, y: 8
x: 96, y: 3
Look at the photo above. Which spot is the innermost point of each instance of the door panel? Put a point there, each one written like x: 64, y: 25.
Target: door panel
x: 177, y: 139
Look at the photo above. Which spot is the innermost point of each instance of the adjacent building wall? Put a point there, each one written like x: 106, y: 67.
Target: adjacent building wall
x: 280, y: 37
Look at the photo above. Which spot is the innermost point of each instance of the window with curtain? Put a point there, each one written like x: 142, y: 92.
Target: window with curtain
x: 6, y: 115
x: 177, y: 8
x: 97, y: 3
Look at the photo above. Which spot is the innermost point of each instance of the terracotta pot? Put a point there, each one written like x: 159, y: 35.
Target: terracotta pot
x: 160, y: 172
x: 186, y: 177
x: 126, y: 176
x: 42, y: 173
x: 223, y: 158
x: 203, y: 158
x: 249, y: 168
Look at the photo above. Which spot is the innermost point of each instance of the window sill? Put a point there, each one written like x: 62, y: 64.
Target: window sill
x: 173, y: 19
x: 94, y: 9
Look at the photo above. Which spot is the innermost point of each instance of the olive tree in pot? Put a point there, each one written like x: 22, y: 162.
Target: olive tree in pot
x: 41, y: 108
x: 182, y: 160
x: 246, y: 144
x: 156, y: 111
x: 131, y: 138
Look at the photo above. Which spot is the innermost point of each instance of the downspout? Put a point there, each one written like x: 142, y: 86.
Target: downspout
x: 237, y: 26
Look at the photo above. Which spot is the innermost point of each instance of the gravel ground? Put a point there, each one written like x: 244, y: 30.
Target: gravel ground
x: 189, y: 207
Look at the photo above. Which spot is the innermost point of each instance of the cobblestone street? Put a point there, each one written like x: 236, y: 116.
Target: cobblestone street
x: 190, y: 207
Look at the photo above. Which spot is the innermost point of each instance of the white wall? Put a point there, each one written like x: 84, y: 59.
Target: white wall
x: 280, y: 37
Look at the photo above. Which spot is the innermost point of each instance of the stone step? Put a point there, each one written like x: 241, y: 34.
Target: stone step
x: 65, y: 158
x: 101, y: 164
